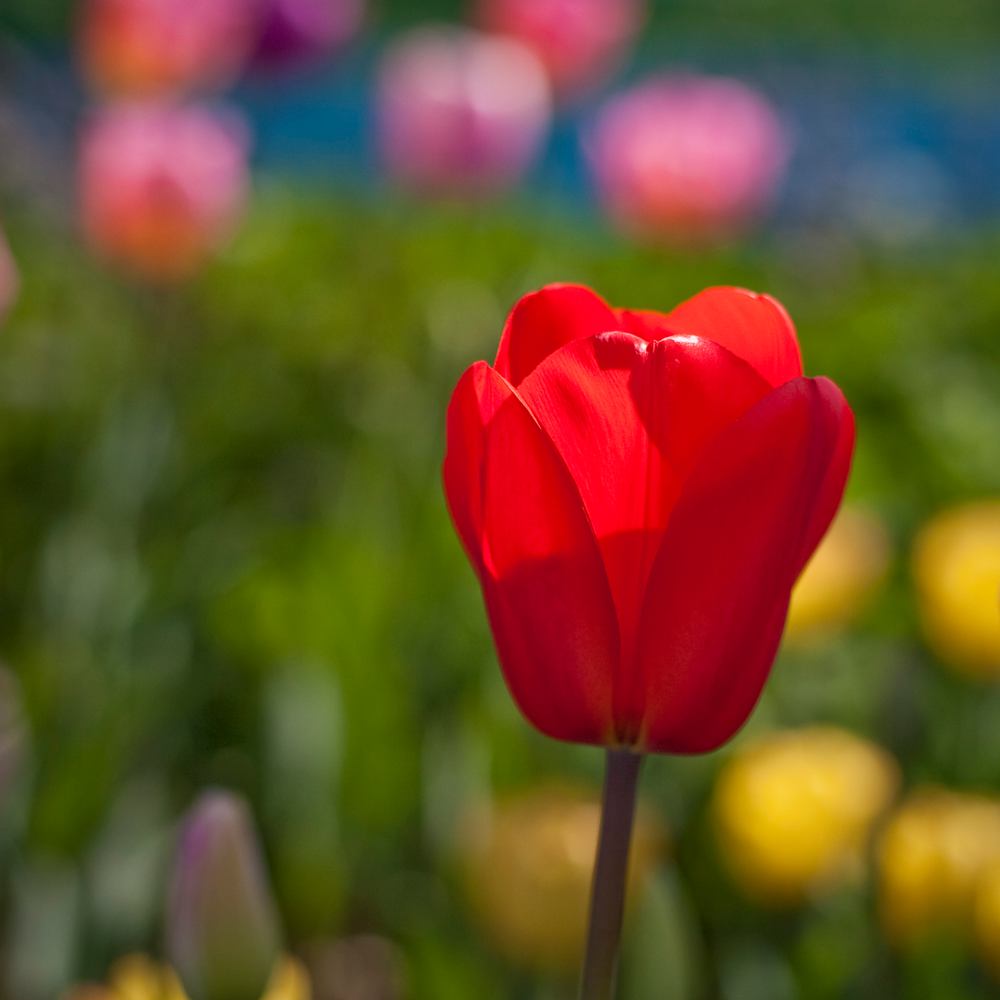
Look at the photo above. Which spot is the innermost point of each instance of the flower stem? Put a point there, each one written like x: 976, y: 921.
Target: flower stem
x: 607, y: 895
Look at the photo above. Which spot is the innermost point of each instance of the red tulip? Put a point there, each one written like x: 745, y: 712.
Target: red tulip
x: 637, y: 493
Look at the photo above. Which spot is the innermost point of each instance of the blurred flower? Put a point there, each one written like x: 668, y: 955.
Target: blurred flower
x: 956, y: 565
x: 686, y: 158
x: 932, y: 854
x: 222, y: 926
x: 460, y: 112
x: 9, y: 279
x: 842, y: 576
x: 793, y: 811
x: 527, y: 864
x: 145, y: 47
x: 137, y: 977
x: 296, y: 31
x: 644, y: 607
x: 161, y: 185
x: 579, y: 41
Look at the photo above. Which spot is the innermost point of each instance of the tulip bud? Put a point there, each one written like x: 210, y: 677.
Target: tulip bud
x: 9, y: 280
x: 298, y: 31
x: 956, y: 567
x: 460, y: 112
x: 161, y: 186
x: 580, y: 42
x: 153, y: 47
x: 222, y: 926
x: 687, y: 159
x: 932, y: 855
x: 527, y: 863
x: 842, y: 576
x: 792, y: 811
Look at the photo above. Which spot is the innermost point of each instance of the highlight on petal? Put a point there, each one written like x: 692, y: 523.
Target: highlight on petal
x: 754, y: 327
x: 543, y: 321
x: 749, y: 518
x: 544, y: 583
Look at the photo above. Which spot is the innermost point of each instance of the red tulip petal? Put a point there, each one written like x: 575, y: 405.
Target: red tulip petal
x: 475, y: 401
x: 754, y: 327
x: 543, y: 321
x: 544, y: 583
x: 747, y: 522
x: 630, y: 420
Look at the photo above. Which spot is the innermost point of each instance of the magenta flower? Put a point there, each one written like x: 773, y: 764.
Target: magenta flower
x: 580, y: 41
x: 460, y: 112
x: 298, y: 31
x: 688, y: 158
x: 161, y: 185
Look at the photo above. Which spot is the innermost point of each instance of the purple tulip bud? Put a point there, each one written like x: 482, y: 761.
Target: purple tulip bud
x: 222, y: 925
x: 298, y: 31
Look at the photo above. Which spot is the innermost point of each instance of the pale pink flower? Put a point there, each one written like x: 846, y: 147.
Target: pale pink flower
x: 297, y: 31
x: 460, y: 112
x: 145, y: 47
x: 161, y: 185
x: 580, y: 42
x: 688, y: 158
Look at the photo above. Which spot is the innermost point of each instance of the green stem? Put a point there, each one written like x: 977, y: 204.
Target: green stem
x: 607, y: 896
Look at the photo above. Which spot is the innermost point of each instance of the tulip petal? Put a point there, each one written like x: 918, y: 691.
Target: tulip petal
x: 749, y: 517
x: 533, y: 547
x: 630, y: 420
x: 754, y: 327
x: 543, y: 321
x: 475, y: 401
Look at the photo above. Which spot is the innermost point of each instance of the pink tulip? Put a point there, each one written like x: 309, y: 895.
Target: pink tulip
x: 161, y: 185
x: 579, y: 41
x: 461, y: 112
x: 297, y: 31
x: 143, y: 47
x: 688, y: 158
x: 9, y: 280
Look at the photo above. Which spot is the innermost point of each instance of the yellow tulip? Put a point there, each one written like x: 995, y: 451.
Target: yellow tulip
x: 841, y: 577
x: 932, y: 854
x: 956, y: 565
x: 792, y: 812
x: 527, y: 862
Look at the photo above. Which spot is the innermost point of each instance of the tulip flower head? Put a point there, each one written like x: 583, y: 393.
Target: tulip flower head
x: 137, y: 48
x: 460, y: 112
x: 687, y: 159
x: 637, y: 493
x: 842, y: 576
x: 222, y: 926
x: 579, y: 41
x: 539, y: 846
x: 298, y: 31
x: 933, y: 854
x: 161, y: 186
x: 793, y: 811
x: 9, y: 279
x: 956, y: 566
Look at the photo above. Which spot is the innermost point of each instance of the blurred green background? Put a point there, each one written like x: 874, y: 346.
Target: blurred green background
x: 225, y: 560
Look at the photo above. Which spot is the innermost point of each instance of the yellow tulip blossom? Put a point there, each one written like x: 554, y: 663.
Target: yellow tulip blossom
x: 841, y: 577
x: 932, y: 855
x: 527, y: 862
x: 956, y: 566
x: 792, y: 812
